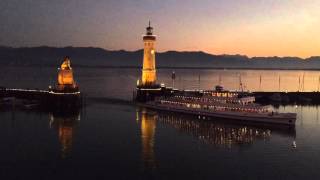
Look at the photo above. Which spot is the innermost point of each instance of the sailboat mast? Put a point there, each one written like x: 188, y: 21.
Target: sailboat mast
x: 318, y: 83
x: 260, y: 83
x: 299, y: 84
x: 279, y: 83
x: 199, y: 79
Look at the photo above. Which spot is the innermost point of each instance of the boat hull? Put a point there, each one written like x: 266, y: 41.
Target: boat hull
x: 288, y: 119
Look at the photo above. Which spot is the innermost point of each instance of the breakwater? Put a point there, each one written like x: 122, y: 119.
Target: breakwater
x: 43, y: 99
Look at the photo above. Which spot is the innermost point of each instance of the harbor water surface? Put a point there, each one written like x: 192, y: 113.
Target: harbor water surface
x: 111, y: 138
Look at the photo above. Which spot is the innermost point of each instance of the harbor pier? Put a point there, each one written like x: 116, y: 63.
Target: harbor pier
x: 65, y: 95
x: 40, y: 99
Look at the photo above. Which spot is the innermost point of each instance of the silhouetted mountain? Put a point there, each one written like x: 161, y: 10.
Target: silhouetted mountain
x: 97, y: 57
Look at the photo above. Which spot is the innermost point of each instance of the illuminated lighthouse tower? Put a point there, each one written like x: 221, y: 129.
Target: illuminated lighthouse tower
x: 149, y: 89
x: 149, y: 76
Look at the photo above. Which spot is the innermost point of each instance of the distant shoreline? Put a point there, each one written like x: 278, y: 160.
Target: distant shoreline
x: 201, y: 68
x: 168, y: 67
x: 91, y: 57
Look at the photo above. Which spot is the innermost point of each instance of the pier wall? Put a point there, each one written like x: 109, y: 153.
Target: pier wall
x: 46, y: 99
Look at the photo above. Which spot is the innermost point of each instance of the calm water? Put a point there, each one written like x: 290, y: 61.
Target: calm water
x: 107, y: 140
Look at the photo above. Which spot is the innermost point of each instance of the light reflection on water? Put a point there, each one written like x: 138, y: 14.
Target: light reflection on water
x: 306, y: 114
x: 148, y: 129
x: 219, y: 133
x: 120, y: 138
x: 65, y: 124
x: 114, y: 139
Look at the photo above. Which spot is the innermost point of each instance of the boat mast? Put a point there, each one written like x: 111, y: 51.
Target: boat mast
x: 299, y: 85
x: 173, y: 77
x: 318, y: 84
x: 260, y: 83
x: 199, y: 82
x: 303, y: 82
x: 279, y: 82
x: 240, y: 84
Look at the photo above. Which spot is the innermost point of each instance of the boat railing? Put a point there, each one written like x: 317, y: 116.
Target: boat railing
x: 204, y: 102
x: 234, y: 100
x: 220, y: 107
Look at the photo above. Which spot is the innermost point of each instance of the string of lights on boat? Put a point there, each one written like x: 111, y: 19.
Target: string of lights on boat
x: 42, y: 91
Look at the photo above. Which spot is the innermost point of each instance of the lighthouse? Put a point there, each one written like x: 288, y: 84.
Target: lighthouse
x: 148, y: 88
x: 149, y: 76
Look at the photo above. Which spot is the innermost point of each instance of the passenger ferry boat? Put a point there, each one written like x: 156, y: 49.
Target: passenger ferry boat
x: 220, y: 103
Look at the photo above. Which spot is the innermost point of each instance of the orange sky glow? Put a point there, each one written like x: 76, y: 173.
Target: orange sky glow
x: 246, y: 27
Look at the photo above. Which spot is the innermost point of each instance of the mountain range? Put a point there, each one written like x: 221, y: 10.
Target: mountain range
x: 101, y: 58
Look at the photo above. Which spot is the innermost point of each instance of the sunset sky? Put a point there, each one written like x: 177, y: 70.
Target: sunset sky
x: 248, y: 27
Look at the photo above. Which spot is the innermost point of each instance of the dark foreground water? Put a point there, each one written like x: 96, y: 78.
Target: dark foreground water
x: 106, y: 140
